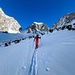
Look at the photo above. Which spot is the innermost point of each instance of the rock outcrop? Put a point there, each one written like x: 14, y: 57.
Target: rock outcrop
x: 66, y: 20
x: 37, y: 27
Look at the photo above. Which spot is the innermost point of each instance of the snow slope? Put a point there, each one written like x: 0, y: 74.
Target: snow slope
x: 55, y: 56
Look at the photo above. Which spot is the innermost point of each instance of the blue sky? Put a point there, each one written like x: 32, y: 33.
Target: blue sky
x: 28, y: 11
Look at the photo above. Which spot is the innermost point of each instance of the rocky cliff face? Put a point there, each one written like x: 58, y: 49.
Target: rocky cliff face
x: 37, y: 27
x: 8, y: 24
x: 68, y: 19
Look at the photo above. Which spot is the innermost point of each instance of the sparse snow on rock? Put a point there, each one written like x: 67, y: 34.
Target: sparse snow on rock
x: 37, y: 27
x: 68, y: 19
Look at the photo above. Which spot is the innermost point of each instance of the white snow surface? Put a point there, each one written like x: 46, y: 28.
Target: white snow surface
x: 38, y: 23
x: 55, y: 56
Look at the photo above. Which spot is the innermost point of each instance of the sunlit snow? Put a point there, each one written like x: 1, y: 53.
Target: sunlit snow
x: 55, y: 55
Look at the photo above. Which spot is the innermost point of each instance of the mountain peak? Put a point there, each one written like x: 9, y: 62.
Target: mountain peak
x: 1, y: 11
x: 8, y: 24
x: 64, y: 21
x: 38, y: 23
x: 37, y: 27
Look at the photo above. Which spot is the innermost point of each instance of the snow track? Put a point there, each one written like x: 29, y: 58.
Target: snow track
x: 55, y: 55
x: 33, y: 66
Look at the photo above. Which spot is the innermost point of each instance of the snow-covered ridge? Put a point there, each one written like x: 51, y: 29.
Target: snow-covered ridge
x: 3, y: 14
x: 68, y: 19
x: 38, y: 23
x: 8, y: 24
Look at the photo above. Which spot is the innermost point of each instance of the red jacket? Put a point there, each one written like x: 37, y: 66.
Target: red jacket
x: 37, y: 40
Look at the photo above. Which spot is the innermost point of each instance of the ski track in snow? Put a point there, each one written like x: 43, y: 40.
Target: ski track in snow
x: 68, y: 43
x: 33, y: 66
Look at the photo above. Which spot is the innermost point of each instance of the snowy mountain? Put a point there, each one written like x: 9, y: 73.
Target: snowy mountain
x: 66, y: 20
x: 55, y: 55
x: 37, y: 27
x: 8, y: 24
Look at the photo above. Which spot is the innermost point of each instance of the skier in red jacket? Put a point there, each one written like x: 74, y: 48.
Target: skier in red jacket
x: 36, y: 40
